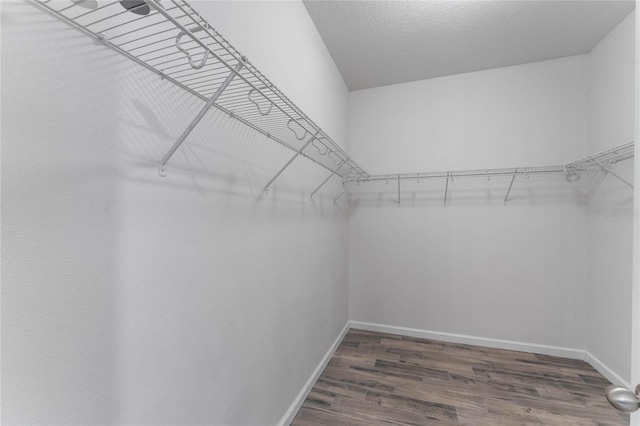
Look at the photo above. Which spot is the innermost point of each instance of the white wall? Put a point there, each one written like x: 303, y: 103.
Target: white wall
x: 132, y: 299
x: 635, y: 300
x: 474, y: 267
x: 611, y: 122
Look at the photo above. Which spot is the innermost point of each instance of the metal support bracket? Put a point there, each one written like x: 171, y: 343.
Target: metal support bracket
x: 398, y: 189
x: 607, y: 171
x: 446, y: 189
x: 298, y: 152
x: 345, y: 190
x: 328, y: 177
x: 162, y: 169
x: 506, y: 197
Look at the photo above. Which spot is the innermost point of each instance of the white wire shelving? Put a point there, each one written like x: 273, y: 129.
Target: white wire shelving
x: 600, y: 162
x: 174, y: 41
x: 171, y: 39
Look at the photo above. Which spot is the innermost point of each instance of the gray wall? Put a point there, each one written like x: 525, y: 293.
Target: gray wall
x: 132, y: 299
x: 475, y: 267
x: 611, y: 120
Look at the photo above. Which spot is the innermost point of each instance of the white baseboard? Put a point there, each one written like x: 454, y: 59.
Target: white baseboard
x: 612, y: 376
x: 297, y: 403
x: 473, y: 340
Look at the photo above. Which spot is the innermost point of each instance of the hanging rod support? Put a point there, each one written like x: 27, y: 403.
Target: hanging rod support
x: 328, y: 177
x: 446, y: 189
x: 298, y: 152
x: 196, y: 120
x: 607, y: 170
x: 345, y: 189
x: 506, y: 197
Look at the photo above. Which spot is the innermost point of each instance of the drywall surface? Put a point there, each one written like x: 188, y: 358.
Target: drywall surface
x: 475, y: 267
x: 611, y: 122
x: 133, y: 299
x: 635, y: 328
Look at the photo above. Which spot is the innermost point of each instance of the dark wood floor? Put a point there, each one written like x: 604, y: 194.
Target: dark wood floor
x: 377, y: 378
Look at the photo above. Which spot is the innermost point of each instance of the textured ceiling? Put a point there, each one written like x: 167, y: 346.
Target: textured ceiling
x: 377, y: 43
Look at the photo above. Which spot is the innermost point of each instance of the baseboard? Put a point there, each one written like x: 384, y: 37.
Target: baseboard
x: 297, y: 403
x: 473, y: 340
x: 611, y: 375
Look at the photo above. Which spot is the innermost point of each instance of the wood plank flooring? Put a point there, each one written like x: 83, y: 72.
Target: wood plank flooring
x: 377, y: 378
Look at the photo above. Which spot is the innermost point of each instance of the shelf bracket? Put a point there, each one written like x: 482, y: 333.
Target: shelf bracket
x: 398, y: 189
x: 446, y: 189
x: 506, y: 197
x: 328, y: 177
x: 607, y: 171
x: 298, y: 152
x: 345, y: 190
x: 194, y: 123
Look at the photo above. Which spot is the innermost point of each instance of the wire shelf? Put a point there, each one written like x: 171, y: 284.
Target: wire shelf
x: 171, y: 39
x: 602, y: 160
x: 174, y: 41
x: 468, y: 173
x: 596, y: 162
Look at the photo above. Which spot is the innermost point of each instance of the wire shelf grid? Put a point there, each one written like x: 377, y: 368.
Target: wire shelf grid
x: 594, y: 163
x: 176, y: 42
